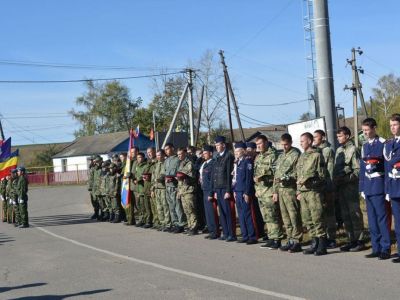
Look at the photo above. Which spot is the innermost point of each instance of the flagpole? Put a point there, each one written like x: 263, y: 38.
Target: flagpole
x: 154, y: 130
x: 1, y: 131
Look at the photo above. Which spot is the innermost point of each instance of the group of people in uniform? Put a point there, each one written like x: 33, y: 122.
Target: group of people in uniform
x: 14, y: 198
x: 273, y: 194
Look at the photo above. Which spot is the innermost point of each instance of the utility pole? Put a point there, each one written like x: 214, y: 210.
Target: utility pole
x: 229, y: 91
x: 356, y: 89
x: 199, y: 116
x: 326, y: 96
x: 227, y: 96
x: 190, y: 100
x: 1, y: 131
x: 154, y: 131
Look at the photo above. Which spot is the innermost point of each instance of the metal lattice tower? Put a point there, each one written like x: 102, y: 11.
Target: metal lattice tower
x: 309, y: 46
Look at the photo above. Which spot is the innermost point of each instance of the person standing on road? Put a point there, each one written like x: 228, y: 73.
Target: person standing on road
x: 310, y: 184
x: 372, y: 188
x: 171, y: 166
x: 22, y: 194
x: 328, y: 199
x: 222, y: 187
x: 285, y: 194
x: 244, y: 193
x: 392, y: 172
x: 345, y: 178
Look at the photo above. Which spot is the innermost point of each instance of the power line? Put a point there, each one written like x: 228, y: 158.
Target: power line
x: 35, y: 117
x: 91, y: 79
x: 42, y: 64
x: 275, y: 104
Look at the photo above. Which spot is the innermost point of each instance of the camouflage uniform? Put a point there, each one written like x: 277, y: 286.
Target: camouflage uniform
x: 158, y: 188
x: 285, y: 187
x: 345, y: 177
x: 143, y: 202
x: 171, y: 165
x: 14, y: 200
x: 3, y: 196
x: 186, y: 188
x: 147, y: 192
x: 329, y: 199
x: 103, y: 196
x: 22, y: 195
x: 310, y: 184
x: 10, y: 200
x: 114, y: 194
x: 96, y: 186
x: 95, y: 205
x: 264, y: 167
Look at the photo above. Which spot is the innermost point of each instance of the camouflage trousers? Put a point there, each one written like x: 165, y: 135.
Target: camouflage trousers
x: 162, y: 207
x: 291, y: 215
x: 271, y: 215
x: 115, y: 205
x: 11, y: 218
x: 23, y: 213
x: 154, y: 212
x: 4, y: 208
x: 95, y: 204
x: 312, y: 213
x: 351, y: 212
x: 329, y: 215
x: 145, y: 209
x: 130, y: 210
x: 189, y: 208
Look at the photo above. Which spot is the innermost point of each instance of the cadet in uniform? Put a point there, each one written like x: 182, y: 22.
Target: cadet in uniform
x: 310, y: 184
x: 96, y: 194
x: 158, y: 192
x: 14, y: 197
x: 222, y: 187
x: 285, y: 193
x: 142, y: 199
x: 175, y: 206
x: 328, y: 198
x: 151, y: 162
x: 209, y: 202
x: 4, y: 204
x: 114, y: 193
x: 372, y: 188
x: 392, y: 171
x: 22, y: 194
x: 345, y: 179
x: 104, y: 203
x: 186, y: 190
x: 264, y: 169
x: 10, y: 197
x: 92, y: 167
x: 244, y: 192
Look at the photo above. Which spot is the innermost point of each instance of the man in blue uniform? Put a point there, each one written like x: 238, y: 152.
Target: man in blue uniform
x: 222, y: 187
x: 243, y: 187
x: 392, y: 172
x: 209, y: 202
x: 372, y: 188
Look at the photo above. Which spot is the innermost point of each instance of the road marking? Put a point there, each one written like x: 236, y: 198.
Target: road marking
x: 177, y: 271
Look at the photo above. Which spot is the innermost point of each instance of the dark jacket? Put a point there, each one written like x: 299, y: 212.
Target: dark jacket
x: 206, y: 177
x: 222, y: 172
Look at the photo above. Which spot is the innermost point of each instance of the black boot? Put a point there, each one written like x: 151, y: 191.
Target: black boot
x: 106, y: 216
x: 321, y: 250
x: 313, y: 247
x: 100, y: 216
x: 95, y: 214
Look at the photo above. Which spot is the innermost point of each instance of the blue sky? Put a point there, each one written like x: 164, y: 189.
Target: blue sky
x: 263, y: 40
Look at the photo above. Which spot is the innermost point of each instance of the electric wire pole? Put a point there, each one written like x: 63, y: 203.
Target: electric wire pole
x: 356, y: 90
x: 229, y: 92
x: 190, y: 100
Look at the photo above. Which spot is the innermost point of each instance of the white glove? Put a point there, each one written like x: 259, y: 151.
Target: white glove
x: 10, y: 201
x: 14, y: 203
x: 387, y: 198
x: 20, y: 201
x: 363, y: 195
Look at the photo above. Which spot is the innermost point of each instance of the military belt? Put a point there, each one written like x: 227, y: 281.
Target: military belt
x: 394, y: 176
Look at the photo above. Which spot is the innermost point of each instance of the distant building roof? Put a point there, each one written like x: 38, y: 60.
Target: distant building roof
x: 94, y: 144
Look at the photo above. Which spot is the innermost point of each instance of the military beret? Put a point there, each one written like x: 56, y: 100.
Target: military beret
x: 240, y: 145
x: 208, y: 148
x: 220, y: 139
x: 21, y: 169
x: 14, y: 171
x: 251, y: 145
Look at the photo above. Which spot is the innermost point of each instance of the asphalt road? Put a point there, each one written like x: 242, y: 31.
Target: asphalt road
x: 66, y: 256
